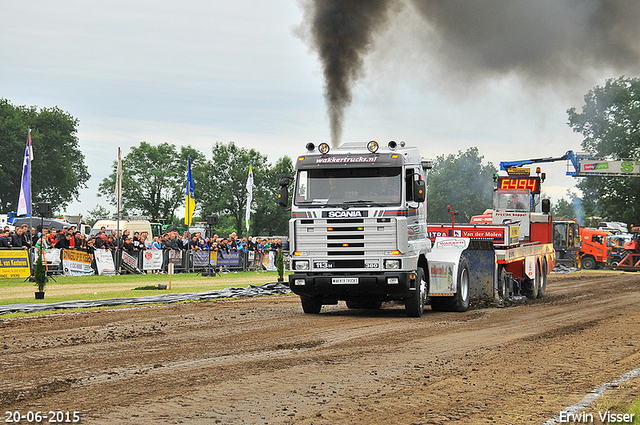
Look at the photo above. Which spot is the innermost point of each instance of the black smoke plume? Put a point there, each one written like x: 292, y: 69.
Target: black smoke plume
x: 538, y: 41
x: 342, y: 32
x: 541, y: 40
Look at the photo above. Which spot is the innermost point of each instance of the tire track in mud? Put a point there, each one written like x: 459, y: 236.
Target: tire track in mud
x: 262, y: 360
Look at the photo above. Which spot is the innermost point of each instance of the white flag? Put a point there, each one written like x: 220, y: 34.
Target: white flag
x: 119, y: 183
x: 249, y: 197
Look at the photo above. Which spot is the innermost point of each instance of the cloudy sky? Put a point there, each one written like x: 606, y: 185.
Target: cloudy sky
x: 197, y: 72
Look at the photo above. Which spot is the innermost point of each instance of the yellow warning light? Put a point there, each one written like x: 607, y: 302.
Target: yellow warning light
x: 395, y: 252
x: 296, y: 254
x: 360, y: 228
x: 346, y: 245
x: 329, y: 229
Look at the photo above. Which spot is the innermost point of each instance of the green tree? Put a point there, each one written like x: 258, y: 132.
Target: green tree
x: 154, y: 178
x: 462, y: 182
x: 223, y: 189
x: 269, y: 218
x: 610, y: 124
x: 58, y: 170
x: 98, y: 213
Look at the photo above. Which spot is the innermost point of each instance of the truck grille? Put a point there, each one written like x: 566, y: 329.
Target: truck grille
x: 346, y: 237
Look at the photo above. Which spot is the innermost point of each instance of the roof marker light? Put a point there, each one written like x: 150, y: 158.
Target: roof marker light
x: 323, y: 148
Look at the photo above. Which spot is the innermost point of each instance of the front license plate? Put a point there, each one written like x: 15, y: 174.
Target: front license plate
x: 344, y: 280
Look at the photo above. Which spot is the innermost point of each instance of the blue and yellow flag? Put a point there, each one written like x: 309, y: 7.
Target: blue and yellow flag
x: 190, y: 203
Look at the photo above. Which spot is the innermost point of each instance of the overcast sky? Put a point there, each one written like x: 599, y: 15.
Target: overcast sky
x: 198, y: 72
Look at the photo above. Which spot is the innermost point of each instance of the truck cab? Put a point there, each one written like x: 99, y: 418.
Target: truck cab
x: 358, y: 230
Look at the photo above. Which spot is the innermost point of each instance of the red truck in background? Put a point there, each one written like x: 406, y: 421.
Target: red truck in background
x: 521, y: 236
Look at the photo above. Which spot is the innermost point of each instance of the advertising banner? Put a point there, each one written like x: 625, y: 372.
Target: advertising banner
x: 52, y: 256
x: 130, y: 262
x: 610, y: 167
x: 104, y: 262
x: 200, y: 258
x: 175, y: 257
x: 14, y: 263
x: 231, y: 259
x: 152, y: 259
x: 76, y: 263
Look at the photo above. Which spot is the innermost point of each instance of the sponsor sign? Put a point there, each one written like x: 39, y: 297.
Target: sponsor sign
x: 51, y: 256
x: 610, y: 167
x: 231, y: 259
x: 76, y: 263
x: 152, y: 259
x: 14, y: 263
x: 346, y: 159
x: 444, y: 243
x: 175, y: 257
x: 200, y: 258
x: 441, y: 278
x: 495, y: 235
x: 104, y: 262
x: 130, y: 262
x: 513, y: 217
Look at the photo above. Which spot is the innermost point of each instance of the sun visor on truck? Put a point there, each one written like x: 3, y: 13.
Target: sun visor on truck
x: 353, y: 160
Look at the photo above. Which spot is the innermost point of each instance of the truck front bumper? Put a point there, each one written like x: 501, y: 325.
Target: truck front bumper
x: 381, y: 286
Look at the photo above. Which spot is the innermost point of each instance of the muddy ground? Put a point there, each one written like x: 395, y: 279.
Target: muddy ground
x: 262, y: 361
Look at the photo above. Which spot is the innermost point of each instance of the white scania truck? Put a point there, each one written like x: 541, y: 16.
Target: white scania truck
x: 358, y: 233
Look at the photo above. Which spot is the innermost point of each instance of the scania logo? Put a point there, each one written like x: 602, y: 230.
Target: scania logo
x: 344, y: 214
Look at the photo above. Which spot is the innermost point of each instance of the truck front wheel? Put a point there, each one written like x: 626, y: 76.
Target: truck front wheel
x: 414, y: 306
x: 589, y: 263
x: 311, y: 305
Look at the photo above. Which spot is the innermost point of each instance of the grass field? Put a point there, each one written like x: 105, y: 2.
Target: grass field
x: 67, y: 288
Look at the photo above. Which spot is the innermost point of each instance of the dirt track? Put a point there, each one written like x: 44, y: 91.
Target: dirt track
x: 262, y: 361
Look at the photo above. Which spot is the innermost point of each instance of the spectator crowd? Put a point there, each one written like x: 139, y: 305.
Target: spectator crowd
x: 70, y: 238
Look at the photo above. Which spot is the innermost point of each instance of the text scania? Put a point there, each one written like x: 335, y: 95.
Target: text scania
x: 341, y: 214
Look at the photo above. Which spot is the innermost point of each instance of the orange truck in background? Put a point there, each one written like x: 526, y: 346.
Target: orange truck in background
x: 594, y: 251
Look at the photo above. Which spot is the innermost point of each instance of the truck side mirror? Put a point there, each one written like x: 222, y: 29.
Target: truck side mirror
x: 419, y: 191
x: 283, y: 193
x: 546, y: 206
x: 283, y: 196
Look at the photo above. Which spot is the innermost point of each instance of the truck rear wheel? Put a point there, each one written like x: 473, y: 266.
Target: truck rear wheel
x: 460, y: 301
x: 311, y: 305
x: 414, y: 306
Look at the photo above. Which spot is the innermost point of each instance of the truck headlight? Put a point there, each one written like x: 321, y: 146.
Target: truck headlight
x: 301, y: 265
x: 392, y: 264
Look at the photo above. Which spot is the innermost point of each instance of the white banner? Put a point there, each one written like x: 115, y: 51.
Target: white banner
x: 152, y: 259
x: 51, y: 256
x: 104, y: 262
x: 76, y: 263
x: 610, y: 167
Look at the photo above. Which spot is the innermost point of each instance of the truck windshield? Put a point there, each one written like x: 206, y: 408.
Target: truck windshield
x: 511, y: 200
x: 349, y: 186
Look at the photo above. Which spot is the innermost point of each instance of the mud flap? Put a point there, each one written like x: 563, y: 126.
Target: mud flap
x: 483, y: 268
x: 443, y: 260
